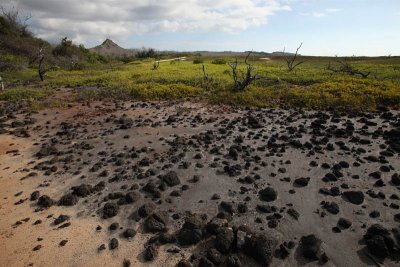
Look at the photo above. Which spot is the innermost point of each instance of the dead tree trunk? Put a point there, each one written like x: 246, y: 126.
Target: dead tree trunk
x: 1, y: 84
x: 291, y: 61
x: 41, y: 70
x: 240, y: 85
x: 346, y: 68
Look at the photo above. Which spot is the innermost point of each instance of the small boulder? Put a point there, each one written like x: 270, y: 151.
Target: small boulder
x: 268, y: 194
x: 354, y: 197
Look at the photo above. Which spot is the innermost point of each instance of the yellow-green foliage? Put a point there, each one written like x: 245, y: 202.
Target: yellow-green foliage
x: 310, y: 85
x: 27, y: 94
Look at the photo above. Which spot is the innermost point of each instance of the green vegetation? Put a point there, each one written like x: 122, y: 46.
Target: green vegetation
x: 26, y: 94
x: 318, y: 83
x: 198, y: 60
x: 310, y: 86
x: 219, y: 61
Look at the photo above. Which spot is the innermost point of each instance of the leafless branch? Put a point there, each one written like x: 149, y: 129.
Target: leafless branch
x: 42, y: 69
x: 17, y: 22
x: 347, y: 68
x: 291, y: 60
x: 249, y: 77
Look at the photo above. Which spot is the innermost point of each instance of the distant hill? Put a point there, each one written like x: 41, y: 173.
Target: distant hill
x: 109, y: 48
x: 231, y: 53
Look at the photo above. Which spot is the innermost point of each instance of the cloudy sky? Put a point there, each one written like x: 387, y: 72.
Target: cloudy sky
x: 326, y: 27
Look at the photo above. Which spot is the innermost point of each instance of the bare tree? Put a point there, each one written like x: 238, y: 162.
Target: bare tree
x: 291, y: 60
x: 207, y: 79
x: 241, y: 84
x: 205, y: 75
x: 347, y: 68
x: 1, y: 84
x: 17, y: 22
x: 41, y: 68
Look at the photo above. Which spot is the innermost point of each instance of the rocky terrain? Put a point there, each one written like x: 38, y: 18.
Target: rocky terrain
x: 188, y: 184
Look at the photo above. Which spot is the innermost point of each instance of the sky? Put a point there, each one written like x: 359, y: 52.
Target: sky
x: 325, y: 27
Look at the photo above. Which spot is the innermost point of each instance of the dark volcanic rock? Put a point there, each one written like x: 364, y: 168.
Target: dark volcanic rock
x: 294, y: 213
x: 215, y: 224
x: 268, y: 194
x: 110, y: 210
x: 191, y: 232
x: 204, y: 262
x: 344, y: 223
x: 377, y: 246
x: 224, y: 239
x: 355, y: 197
x: 146, y: 209
x: 68, y: 200
x: 151, y: 252
x: 47, y: 151
x: 301, y: 182
x: 132, y: 197
x: 188, y: 237
x: 34, y: 196
x: 184, y: 263
x: 395, y: 179
x: 82, y: 190
x: 311, y: 247
x: 157, y: 222
x: 171, y: 178
x: 233, y: 261
x: 215, y: 256
x: 60, y: 219
x: 380, y: 242
x: 114, y: 243
x: 261, y: 248
x: 332, y: 207
x: 253, y: 122
x: 129, y: 233
x: 45, y: 202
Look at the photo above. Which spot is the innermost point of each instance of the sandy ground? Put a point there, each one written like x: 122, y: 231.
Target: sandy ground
x: 17, y: 161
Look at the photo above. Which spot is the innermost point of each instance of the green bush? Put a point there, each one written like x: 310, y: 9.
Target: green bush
x: 198, y: 61
x: 67, y: 49
x: 219, y: 61
x: 10, y: 62
x: 18, y: 94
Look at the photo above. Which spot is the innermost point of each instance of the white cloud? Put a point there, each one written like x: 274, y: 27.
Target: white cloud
x: 84, y: 20
x: 322, y: 13
x: 333, y: 10
x: 313, y: 14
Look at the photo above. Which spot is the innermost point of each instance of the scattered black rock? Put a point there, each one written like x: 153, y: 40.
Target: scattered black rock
x: 311, y: 247
x: 224, y: 239
x: 301, y: 182
x: 60, y: 219
x: 171, y: 179
x: 268, y: 194
x: 260, y: 247
x: 45, y: 202
x: 110, y: 210
x: 344, y: 223
x: 113, y: 244
x: 157, y: 222
x: 129, y: 233
x: 68, y: 200
x: 354, y: 197
x: 151, y: 252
